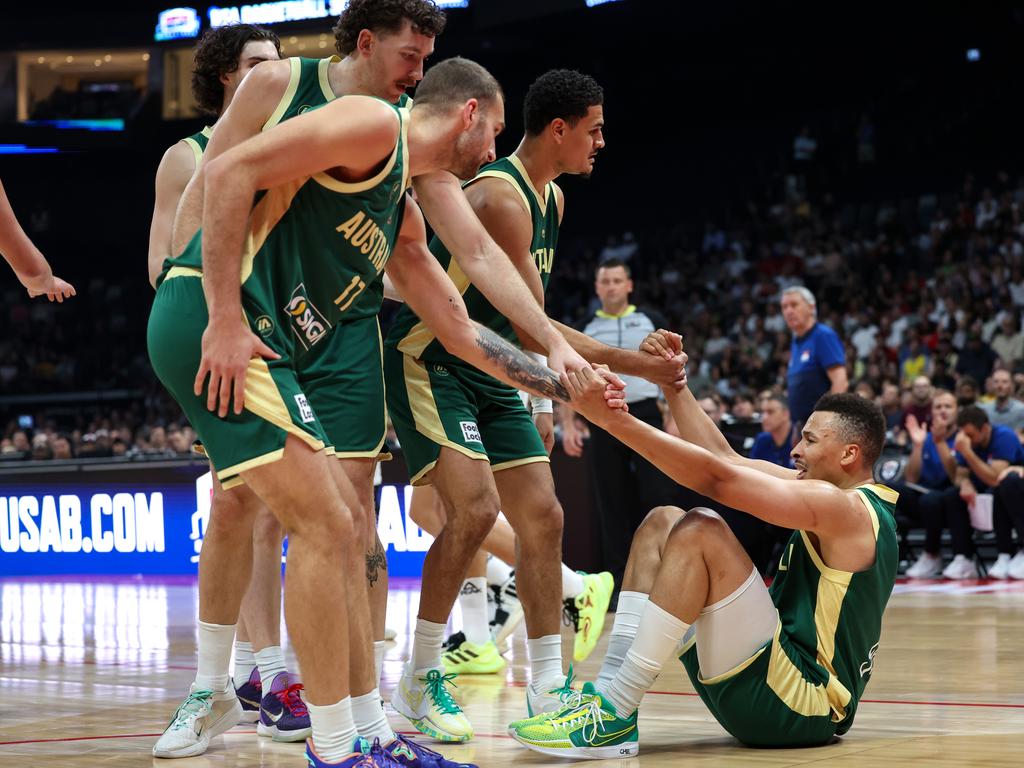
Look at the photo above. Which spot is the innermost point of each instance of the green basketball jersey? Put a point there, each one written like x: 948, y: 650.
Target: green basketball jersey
x: 316, y: 245
x: 413, y: 337
x: 197, y: 142
x: 833, y: 617
x: 309, y: 86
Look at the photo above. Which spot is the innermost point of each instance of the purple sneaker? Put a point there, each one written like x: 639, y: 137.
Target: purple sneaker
x: 405, y: 751
x: 249, y: 693
x: 363, y: 756
x: 283, y: 713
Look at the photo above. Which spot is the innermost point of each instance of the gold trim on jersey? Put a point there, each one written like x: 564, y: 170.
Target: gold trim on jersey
x: 494, y: 173
x: 231, y: 474
x: 323, y: 75
x: 264, y: 217
x: 541, y: 201
x: 734, y: 671
x: 326, y: 180
x: 207, y: 131
x: 231, y: 482
x: 406, y: 178
x: 289, y: 94
x: 182, y: 272
x: 884, y: 492
x: 197, y: 151
x: 519, y: 463
x: 827, y: 609
x: 789, y: 684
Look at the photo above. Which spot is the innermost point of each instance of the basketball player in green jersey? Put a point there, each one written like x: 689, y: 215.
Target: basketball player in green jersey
x: 471, y: 437
x: 385, y: 45
x: 779, y: 667
x: 349, y: 162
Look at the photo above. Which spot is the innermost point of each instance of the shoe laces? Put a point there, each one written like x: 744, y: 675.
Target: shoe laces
x: 291, y: 698
x: 379, y: 757
x: 420, y: 750
x: 439, y: 693
x: 588, y: 715
x: 566, y: 694
x: 571, y: 614
x: 196, y: 705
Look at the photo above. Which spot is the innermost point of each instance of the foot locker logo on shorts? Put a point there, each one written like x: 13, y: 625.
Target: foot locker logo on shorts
x: 470, y: 432
x: 305, y: 412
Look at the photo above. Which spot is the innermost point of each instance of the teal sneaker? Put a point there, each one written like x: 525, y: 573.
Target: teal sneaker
x: 590, y: 730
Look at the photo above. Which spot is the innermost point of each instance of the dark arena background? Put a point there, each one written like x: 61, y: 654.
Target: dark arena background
x: 870, y: 153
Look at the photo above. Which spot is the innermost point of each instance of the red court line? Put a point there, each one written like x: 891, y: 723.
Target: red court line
x: 94, y: 738
x: 989, y: 705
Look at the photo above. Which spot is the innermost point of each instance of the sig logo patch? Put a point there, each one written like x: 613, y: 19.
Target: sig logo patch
x: 470, y: 432
x: 305, y: 412
x: 264, y: 325
x: 308, y: 323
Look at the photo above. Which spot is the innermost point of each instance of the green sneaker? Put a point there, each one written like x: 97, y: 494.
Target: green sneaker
x: 550, y: 703
x: 589, y: 730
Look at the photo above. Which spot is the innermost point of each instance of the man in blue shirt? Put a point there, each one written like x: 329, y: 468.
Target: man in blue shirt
x: 817, y: 360
x: 983, y: 451
x: 930, y: 471
x: 776, y: 442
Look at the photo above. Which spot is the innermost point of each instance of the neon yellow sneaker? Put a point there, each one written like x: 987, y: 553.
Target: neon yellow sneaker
x: 425, y: 701
x: 540, y: 706
x: 462, y: 657
x: 587, y: 611
x: 592, y: 729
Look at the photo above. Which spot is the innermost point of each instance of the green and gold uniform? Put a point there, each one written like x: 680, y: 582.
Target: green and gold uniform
x: 313, y: 247
x: 803, y: 686
x: 434, y: 398
x: 197, y: 143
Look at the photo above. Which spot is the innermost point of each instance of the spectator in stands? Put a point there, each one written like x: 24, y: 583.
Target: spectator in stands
x: 742, y: 407
x: 966, y: 391
x: 919, y: 403
x: 1008, y: 342
x: 714, y: 407
x: 930, y: 471
x: 983, y: 451
x: 62, y: 448
x: 817, y: 361
x: 976, y: 359
x: 891, y: 404
x: 1007, y: 516
x: 776, y: 442
x: 20, y: 442
x: 1004, y: 408
x: 914, y: 359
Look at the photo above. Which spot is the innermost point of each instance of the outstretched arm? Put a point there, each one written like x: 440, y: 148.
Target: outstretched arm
x: 487, y: 265
x: 29, y: 265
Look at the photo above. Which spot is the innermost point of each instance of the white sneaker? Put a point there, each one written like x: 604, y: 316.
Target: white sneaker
x: 424, y: 700
x: 201, y: 717
x: 925, y: 567
x: 1000, y: 568
x: 961, y: 568
x: 1017, y: 566
x: 508, y: 612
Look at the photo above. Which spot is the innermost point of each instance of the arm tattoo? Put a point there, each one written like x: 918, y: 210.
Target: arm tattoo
x: 376, y: 562
x: 526, y: 372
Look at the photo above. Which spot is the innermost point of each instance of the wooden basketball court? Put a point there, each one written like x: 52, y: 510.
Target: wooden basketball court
x: 91, y: 671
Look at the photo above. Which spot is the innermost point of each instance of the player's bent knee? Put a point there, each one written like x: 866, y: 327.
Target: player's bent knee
x: 699, y: 523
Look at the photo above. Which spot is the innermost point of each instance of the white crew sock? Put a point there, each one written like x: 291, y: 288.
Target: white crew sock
x: 572, y: 583
x: 369, y: 718
x: 378, y: 657
x: 245, y: 663
x: 215, y: 642
x: 473, y: 602
x: 656, y: 638
x: 270, y: 660
x: 545, y: 663
x: 426, y: 645
x: 498, y: 571
x: 627, y: 621
x: 333, y: 729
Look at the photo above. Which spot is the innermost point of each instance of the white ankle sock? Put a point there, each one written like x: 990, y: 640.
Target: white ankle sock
x: 473, y: 602
x: 368, y: 715
x: 545, y: 663
x: 214, y: 642
x: 378, y: 658
x: 270, y: 660
x: 627, y: 621
x: 572, y: 582
x: 333, y: 729
x: 426, y: 645
x: 656, y: 638
x: 498, y: 571
x: 245, y: 663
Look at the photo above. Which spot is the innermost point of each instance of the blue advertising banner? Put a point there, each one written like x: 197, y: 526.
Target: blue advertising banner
x: 123, y: 521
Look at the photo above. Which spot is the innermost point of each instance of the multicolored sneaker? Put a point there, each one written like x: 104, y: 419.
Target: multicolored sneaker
x: 591, y: 729
x: 283, y: 713
x: 508, y: 611
x: 360, y: 757
x: 201, y: 717
x: 249, y: 694
x: 587, y: 611
x: 424, y: 700
x: 462, y: 657
x: 405, y: 751
x: 548, y: 702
